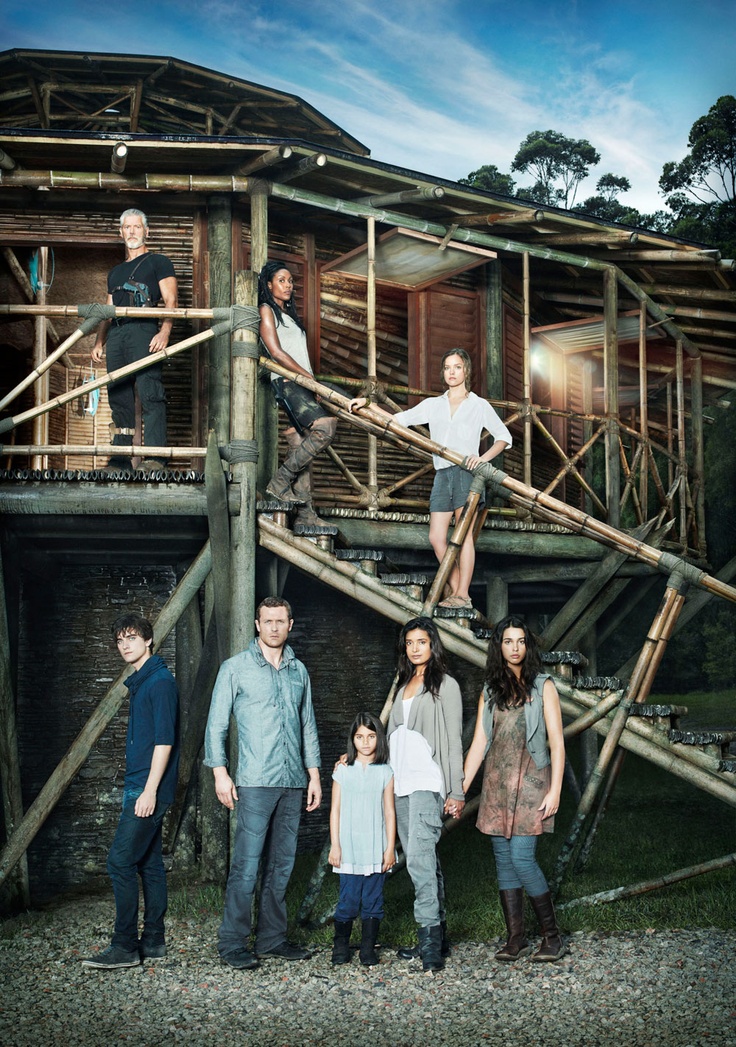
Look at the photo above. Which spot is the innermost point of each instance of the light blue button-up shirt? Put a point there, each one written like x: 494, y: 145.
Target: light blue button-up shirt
x: 277, y: 730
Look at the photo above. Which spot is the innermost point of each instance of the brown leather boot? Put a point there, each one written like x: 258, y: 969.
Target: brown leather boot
x: 552, y: 947
x: 512, y: 903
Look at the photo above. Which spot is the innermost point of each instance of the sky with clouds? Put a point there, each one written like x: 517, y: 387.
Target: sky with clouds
x: 443, y: 86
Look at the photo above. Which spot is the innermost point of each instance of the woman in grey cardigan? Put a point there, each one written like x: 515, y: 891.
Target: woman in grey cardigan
x: 426, y: 755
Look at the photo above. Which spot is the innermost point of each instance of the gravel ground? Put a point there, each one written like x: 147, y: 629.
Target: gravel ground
x: 639, y: 989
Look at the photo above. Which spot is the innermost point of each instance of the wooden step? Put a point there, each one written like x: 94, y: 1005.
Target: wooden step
x: 598, y: 683
x: 413, y: 584
x: 715, y: 743
x: 667, y: 716
x: 368, y: 559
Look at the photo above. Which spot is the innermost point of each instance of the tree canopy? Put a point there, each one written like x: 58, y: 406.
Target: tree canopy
x: 708, y: 171
x: 551, y: 157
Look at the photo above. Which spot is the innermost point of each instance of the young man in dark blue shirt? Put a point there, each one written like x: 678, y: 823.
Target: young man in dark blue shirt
x: 151, y: 765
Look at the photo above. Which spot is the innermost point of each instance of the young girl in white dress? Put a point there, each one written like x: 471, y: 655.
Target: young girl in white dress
x: 362, y: 835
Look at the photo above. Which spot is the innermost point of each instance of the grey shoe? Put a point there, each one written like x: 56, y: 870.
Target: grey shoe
x: 112, y: 958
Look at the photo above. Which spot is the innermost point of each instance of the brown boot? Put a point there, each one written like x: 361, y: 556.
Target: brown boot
x: 512, y: 903
x: 552, y: 947
x: 302, y: 488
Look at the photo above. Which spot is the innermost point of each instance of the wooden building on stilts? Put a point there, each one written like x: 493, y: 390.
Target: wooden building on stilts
x: 599, y: 345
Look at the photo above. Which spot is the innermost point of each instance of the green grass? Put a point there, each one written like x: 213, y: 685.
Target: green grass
x: 655, y: 824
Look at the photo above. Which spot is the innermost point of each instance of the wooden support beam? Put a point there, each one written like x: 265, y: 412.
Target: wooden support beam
x: 18, y: 889
x: 220, y: 255
x: 219, y: 530
x: 610, y: 395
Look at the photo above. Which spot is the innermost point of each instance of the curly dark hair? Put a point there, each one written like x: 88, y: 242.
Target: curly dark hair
x: 265, y: 297
x: 436, y: 666
x: 364, y: 719
x: 504, y: 689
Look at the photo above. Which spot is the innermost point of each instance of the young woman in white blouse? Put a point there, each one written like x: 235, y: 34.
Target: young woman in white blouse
x: 456, y: 420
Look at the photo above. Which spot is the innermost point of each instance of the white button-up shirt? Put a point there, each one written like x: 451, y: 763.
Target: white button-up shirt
x: 460, y: 431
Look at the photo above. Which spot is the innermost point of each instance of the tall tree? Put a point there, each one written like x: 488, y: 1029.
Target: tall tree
x: 708, y: 172
x: 701, y: 189
x: 489, y: 177
x: 551, y: 157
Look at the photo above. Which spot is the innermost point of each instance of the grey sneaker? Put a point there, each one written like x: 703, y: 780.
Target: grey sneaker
x: 112, y: 958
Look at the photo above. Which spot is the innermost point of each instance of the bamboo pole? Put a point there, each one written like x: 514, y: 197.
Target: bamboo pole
x: 610, y: 395
x: 643, y: 405
x: 681, y: 446
x: 10, y: 772
x: 581, y: 599
x: 95, y: 726
x: 526, y: 370
x: 645, y: 886
x: 371, y: 347
x: 349, y: 579
x: 41, y: 386
x: 218, y: 520
x: 519, y: 493
x: 69, y: 450
x: 43, y: 366
x: 113, y: 376
x: 24, y: 283
x: 636, y: 691
x: 220, y: 253
x: 454, y: 545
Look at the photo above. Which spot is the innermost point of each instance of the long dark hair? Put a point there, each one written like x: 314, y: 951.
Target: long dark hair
x: 504, y: 689
x: 436, y: 669
x: 265, y: 297
x: 364, y: 719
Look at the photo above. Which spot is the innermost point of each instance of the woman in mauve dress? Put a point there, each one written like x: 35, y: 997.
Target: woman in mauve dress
x: 519, y: 732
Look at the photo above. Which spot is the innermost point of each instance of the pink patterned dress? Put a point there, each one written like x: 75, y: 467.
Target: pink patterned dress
x: 513, y: 786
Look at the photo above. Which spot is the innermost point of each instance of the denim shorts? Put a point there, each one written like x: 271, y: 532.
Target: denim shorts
x: 450, y: 489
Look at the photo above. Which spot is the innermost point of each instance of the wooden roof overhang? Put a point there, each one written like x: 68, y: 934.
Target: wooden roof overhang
x: 336, y: 187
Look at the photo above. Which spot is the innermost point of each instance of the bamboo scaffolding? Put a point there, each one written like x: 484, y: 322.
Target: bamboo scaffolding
x: 24, y: 283
x: 20, y: 450
x: 644, y: 886
x: 249, y: 318
x: 637, y: 691
x: 351, y: 580
x: 95, y: 726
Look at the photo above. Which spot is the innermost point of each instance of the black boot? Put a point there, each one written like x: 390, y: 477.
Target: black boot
x: 280, y: 485
x: 512, y: 903
x: 413, y: 952
x: 430, y: 947
x: 341, y: 945
x: 368, y: 954
x: 552, y: 947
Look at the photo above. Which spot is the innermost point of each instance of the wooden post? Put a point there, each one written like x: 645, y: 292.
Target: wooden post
x: 79, y: 750
x: 371, y: 347
x: 696, y: 428
x: 643, y: 410
x: 610, y: 394
x: 494, y: 389
x: 220, y: 253
x: 10, y: 778
x: 41, y: 387
x: 527, y: 374
x: 219, y: 531
x: 497, y: 598
x: 454, y: 545
x: 681, y: 446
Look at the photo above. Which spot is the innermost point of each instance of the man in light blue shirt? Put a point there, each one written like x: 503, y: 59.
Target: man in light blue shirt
x: 267, y: 689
